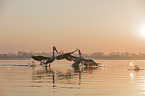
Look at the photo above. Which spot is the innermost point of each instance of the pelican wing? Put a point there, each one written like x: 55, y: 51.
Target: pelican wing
x: 89, y: 62
x: 71, y: 58
x: 39, y: 58
x: 67, y: 56
x: 62, y: 56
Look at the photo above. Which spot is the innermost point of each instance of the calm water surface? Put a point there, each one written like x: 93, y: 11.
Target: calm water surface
x: 62, y: 80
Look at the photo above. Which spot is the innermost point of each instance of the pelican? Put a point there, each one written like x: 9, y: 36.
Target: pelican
x: 64, y: 55
x: 45, y: 60
x: 69, y: 57
x: 135, y: 67
x: 78, y: 60
x: 90, y: 63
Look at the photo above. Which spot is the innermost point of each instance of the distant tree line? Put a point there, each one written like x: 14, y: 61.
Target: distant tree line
x: 116, y: 56
x: 22, y: 55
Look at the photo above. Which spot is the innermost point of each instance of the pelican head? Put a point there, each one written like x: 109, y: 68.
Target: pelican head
x: 54, y: 48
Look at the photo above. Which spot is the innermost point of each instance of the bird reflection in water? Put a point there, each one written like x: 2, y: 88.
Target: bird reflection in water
x: 43, y: 75
x: 48, y: 75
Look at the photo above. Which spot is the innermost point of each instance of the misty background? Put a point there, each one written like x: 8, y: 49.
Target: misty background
x: 94, y: 25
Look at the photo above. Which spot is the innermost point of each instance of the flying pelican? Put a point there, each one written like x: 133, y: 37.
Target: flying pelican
x: 45, y: 60
x: 78, y: 60
x: 64, y: 55
x: 90, y: 63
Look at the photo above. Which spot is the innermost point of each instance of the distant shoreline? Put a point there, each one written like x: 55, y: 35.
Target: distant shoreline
x: 22, y: 55
x: 64, y: 59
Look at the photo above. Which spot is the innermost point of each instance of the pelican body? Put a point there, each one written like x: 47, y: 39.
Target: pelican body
x: 77, y: 60
x: 84, y: 62
x: 45, y: 60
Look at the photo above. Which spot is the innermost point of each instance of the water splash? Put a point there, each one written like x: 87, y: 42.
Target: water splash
x: 32, y: 63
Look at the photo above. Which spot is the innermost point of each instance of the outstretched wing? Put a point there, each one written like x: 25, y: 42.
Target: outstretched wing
x: 67, y: 56
x: 39, y: 58
x: 89, y: 62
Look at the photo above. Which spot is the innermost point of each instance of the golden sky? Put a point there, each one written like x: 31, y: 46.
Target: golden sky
x: 91, y: 25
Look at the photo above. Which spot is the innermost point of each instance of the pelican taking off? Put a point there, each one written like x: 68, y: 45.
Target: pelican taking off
x: 45, y: 60
x: 64, y: 55
x: 83, y: 61
x: 69, y: 57
x: 78, y: 60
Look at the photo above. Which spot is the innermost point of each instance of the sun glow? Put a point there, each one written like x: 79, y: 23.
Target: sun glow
x: 142, y: 30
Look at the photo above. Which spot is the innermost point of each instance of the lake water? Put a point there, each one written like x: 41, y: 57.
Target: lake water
x: 62, y: 80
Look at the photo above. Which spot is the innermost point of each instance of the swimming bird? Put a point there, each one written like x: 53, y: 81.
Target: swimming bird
x: 135, y: 67
x: 46, y: 60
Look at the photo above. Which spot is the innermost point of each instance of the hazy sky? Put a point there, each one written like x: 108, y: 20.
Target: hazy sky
x: 91, y: 25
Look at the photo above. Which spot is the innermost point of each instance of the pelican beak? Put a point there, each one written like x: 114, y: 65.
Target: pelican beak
x: 55, y: 49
